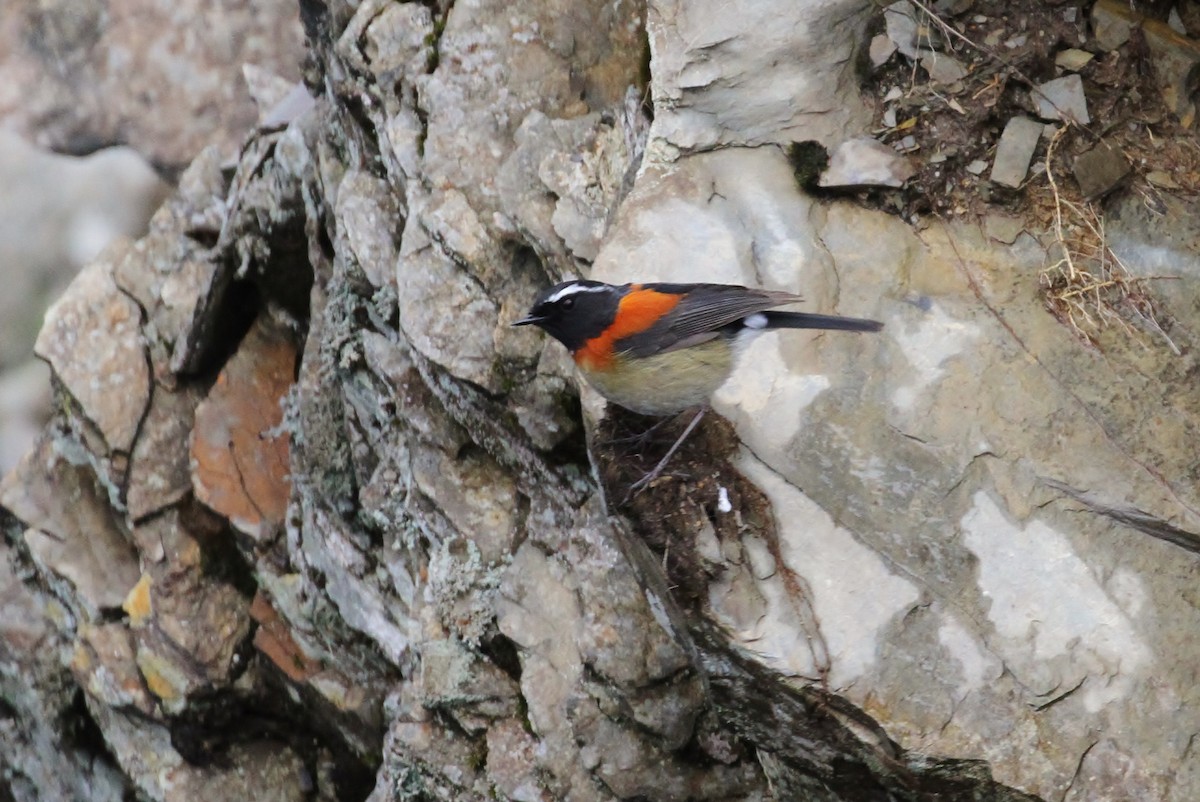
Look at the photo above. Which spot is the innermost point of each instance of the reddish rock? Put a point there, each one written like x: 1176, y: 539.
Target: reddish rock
x: 239, y: 458
x: 273, y: 639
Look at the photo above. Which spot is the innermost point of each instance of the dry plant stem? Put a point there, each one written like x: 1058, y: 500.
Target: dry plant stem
x: 1084, y: 298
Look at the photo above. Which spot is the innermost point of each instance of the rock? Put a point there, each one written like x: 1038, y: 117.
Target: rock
x: 902, y: 548
x: 1100, y: 170
x: 92, y: 340
x: 72, y: 535
x: 701, y: 101
x: 267, y: 90
x: 900, y: 19
x: 43, y: 761
x: 1003, y: 228
x: 160, y: 472
x: 1061, y: 99
x: 942, y: 68
x: 104, y: 665
x: 367, y: 208
x: 1072, y: 59
x: 190, y: 636
x: 1112, y: 24
x: 1162, y: 179
x: 1015, y: 151
x: 166, y: 82
x: 866, y: 162
x: 881, y: 49
x: 466, y: 686
x: 239, y: 454
x: 475, y: 495
x: 745, y: 244
x: 273, y: 638
x: 1175, y: 56
x: 444, y: 312
x: 976, y: 167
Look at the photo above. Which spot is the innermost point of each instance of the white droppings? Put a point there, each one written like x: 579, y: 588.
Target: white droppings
x: 723, y: 504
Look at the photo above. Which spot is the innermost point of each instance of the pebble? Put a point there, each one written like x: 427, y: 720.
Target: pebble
x: 1015, y: 151
x: 1062, y: 99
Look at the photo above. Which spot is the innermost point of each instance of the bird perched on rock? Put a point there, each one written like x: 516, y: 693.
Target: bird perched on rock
x: 662, y: 348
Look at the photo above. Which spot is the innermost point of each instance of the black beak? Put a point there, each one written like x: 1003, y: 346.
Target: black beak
x: 525, y: 321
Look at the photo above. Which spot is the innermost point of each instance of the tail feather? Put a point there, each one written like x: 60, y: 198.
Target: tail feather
x: 804, y: 320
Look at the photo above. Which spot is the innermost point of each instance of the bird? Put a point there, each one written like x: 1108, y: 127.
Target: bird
x: 661, y: 348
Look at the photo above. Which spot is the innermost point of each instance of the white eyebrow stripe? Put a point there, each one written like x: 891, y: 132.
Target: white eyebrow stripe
x: 575, y: 289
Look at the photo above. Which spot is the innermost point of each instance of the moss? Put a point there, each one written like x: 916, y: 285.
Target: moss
x: 808, y: 160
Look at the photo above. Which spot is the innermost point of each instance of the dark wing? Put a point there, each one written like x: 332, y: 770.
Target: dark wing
x: 709, y: 307
x: 700, y: 314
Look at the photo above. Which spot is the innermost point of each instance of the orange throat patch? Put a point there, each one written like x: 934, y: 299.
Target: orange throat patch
x: 638, y: 311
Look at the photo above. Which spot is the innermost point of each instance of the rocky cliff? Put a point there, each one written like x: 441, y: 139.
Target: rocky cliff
x: 310, y: 520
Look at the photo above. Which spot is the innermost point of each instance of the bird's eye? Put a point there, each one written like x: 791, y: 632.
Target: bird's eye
x: 567, y: 303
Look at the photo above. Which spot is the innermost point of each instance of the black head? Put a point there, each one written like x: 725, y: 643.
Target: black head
x: 575, y: 311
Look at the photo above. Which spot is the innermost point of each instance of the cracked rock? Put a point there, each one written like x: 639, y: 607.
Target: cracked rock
x: 93, y: 341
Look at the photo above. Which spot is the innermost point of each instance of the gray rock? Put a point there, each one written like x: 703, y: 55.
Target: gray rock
x: 1061, y: 99
x: 999, y: 517
x: 92, y: 339
x: 371, y: 222
x: 1100, y: 170
x: 705, y: 76
x: 166, y: 82
x: 74, y: 538
x: 1015, y: 150
x: 43, y: 761
x: 1112, y: 24
x: 1003, y: 228
x: 942, y: 68
x: 900, y: 19
x: 864, y: 161
x: 909, y: 558
x: 159, y: 472
x: 882, y: 48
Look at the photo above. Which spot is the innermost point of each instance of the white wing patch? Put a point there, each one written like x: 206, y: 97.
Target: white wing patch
x: 756, y: 321
x: 575, y: 289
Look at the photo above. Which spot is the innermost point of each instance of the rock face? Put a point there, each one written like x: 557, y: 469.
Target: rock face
x: 166, y: 80
x: 312, y: 521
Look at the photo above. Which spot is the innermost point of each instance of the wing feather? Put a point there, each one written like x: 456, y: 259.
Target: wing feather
x: 700, y: 314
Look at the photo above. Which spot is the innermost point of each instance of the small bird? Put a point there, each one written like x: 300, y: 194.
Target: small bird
x: 658, y: 349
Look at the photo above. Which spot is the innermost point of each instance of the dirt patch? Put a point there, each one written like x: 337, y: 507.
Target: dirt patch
x: 991, y: 57
x: 697, y: 514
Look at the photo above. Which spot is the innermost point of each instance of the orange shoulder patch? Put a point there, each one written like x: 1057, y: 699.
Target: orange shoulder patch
x: 638, y: 311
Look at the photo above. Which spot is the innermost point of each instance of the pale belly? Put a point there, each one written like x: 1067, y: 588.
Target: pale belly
x: 665, y: 383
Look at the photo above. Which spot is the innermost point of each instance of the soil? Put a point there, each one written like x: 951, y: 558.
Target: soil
x: 685, y: 498
x: 1006, y: 48
x: 950, y: 132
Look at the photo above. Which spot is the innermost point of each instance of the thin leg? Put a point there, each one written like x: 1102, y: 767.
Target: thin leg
x: 662, y: 463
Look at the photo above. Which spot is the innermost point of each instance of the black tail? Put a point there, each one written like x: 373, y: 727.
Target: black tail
x: 803, y: 320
